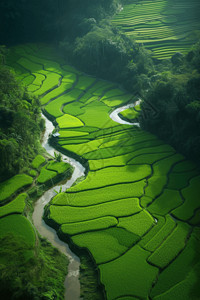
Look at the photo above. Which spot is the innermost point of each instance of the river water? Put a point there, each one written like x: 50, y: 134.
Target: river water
x: 72, y: 284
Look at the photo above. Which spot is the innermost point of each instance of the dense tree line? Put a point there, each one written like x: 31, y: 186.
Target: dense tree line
x: 171, y: 107
x: 20, y: 123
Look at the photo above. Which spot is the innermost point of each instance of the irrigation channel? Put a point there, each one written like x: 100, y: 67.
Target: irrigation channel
x: 72, y: 284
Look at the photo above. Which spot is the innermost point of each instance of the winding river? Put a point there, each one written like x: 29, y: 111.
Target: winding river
x: 72, y: 284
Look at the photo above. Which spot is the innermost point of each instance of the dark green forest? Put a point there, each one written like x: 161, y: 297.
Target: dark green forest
x: 19, y: 115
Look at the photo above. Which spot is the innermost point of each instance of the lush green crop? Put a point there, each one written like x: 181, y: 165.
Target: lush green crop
x: 123, y: 200
x: 181, y: 180
x: 75, y: 109
x: 14, y: 184
x: 38, y: 160
x: 70, y: 214
x: 163, y: 27
x: 54, y: 108
x: 45, y: 175
x: 69, y: 133
x: 191, y: 202
x: 130, y: 114
x: 184, y: 288
x: 59, y: 167
x: 138, y: 223
x: 155, y: 229
x: 91, y: 197
x: 85, y: 82
x: 18, y: 226
x: 69, y: 121
x: 178, y: 270
x: 51, y: 81
x: 119, y: 276
x: 102, y: 177
x: 161, y: 235
x: 91, y: 225
x: 116, y: 241
x: 171, y: 247
x: 15, y: 206
x: 168, y: 200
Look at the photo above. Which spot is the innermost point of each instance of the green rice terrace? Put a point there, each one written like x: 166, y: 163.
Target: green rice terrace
x: 137, y: 210
x: 162, y: 26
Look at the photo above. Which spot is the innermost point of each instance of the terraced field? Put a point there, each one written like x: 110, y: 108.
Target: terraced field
x: 162, y: 26
x: 136, y: 212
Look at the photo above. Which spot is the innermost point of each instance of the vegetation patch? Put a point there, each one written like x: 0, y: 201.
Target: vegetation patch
x: 117, y: 276
x: 116, y: 241
x: 15, y: 206
x: 38, y: 161
x: 9, y: 187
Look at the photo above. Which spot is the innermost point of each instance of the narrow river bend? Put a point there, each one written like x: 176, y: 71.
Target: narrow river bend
x: 72, y: 284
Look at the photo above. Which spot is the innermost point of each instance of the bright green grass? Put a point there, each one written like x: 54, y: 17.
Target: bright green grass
x: 178, y: 270
x: 119, y: 175
x: 72, y: 141
x: 148, y: 158
x: 74, y: 109
x: 29, y: 65
x: 129, y: 114
x: 187, y: 289
x: 96, y: 224
x: 32, y: 88
x: 119, y: 276
x: 158, y: 23
x: 115, y: 242
x: 161, y: 235
x: 18, y: 226
x: 27, y: 80
x: 121, y: 160
x: 191, y: 197
x: 59, y: 167
x: 84, y: 82
x: 33, y: 173
x: 117, y: 100
x: 138, y: 224
x: 169, y: 200
x: 69, y: 121
x: 155, y: 229
x: 70, y: 214
x: 69, y: 133
x: 39, y: 79
x: 171, y: 247
x: 54, y: 108
x: 106, y: 194
x: 113, y: 93
x: 45, y: 175
x: 14, y: 184
x: 159, y: 179
x: 38, y: 161
x: 15, y: 206
x: 117, y: 151
x: 50, y: 82
x: 58, y: 91
x: 100, y: 87
x: 97, y: 115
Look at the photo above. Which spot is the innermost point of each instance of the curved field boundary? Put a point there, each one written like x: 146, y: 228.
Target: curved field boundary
x: 162, y: 26
x: 126, y: 212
